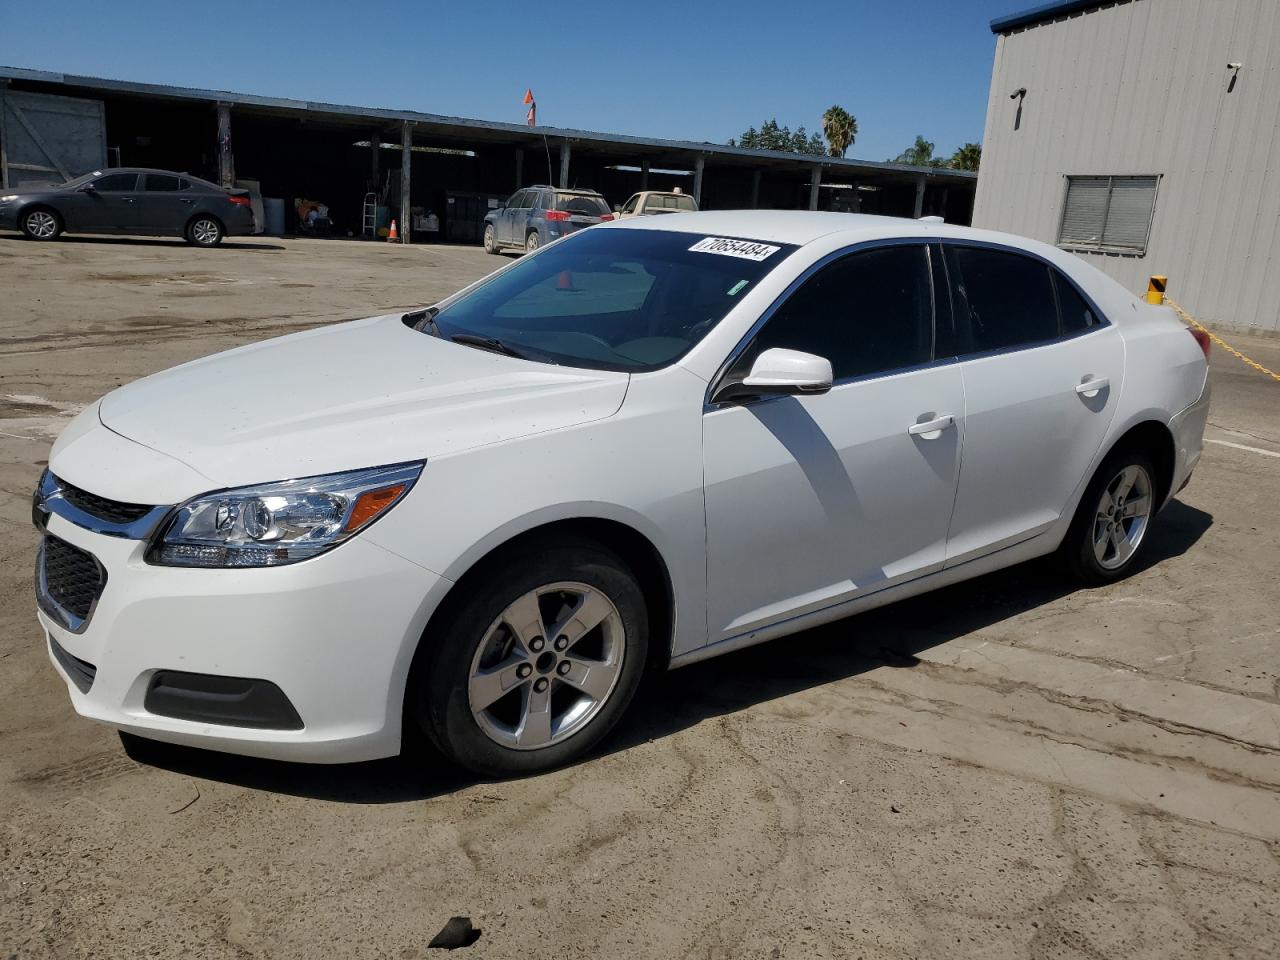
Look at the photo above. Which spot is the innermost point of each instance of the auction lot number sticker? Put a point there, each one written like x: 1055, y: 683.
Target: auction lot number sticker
x: 743, y: 249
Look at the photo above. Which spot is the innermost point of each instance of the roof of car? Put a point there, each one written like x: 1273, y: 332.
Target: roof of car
x: 544, y: 186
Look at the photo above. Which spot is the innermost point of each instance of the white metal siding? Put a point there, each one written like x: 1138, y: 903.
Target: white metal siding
x: 1140, y: 87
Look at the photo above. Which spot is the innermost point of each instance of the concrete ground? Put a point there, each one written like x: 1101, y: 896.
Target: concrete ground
x: 1009, y: 768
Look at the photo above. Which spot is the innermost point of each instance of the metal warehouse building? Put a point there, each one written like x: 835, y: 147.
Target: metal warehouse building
x: 55, y: 126
x: 1144, y: 135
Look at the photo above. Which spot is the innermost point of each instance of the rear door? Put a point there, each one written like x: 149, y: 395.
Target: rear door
x: 113, y: 205
x: 1042, y: 368
x: 165, y: 206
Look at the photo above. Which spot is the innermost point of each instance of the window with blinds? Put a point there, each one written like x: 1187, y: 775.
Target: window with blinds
x: 1108, y: 214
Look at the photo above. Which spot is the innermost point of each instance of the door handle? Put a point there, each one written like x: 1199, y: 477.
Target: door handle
x: 1091, y: 386
x: 187, y: 200
x: 127, y: 199
x: 932, y: 429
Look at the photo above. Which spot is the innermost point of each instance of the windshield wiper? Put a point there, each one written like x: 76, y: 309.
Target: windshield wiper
x: 492, y: 344
x: 423, y: 320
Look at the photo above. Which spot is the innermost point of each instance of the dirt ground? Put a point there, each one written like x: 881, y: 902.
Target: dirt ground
x: 1009, y: 768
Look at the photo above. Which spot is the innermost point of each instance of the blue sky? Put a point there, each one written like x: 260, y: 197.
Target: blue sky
x: 694, y: 70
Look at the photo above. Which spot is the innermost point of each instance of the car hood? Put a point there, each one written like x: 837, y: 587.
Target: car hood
x: 358, y: 394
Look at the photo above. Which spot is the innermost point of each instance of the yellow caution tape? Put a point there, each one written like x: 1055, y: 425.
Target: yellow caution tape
x: 1192, y: 322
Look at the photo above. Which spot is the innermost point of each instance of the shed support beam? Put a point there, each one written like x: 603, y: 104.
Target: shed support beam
x: 644, y: 174
x: 375, y: 147
x: 519, y: 168
x: 406, y: 153
x: 4, y: 142
x: 564, y: 164
x: 226, y: 159
x: 815, y: 181
x: 698, y: 165
x: 919, y: 211
x: 755, y: 189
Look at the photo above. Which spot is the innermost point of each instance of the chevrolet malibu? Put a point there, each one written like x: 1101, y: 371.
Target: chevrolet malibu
x: 650, y: 443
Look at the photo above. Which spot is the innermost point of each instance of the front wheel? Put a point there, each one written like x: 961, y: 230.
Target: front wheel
x: 1111, y: 523
x: 537, y: 663
x: 490, y: 241
x: 531, y: 242
x: 204, y: 232
x: 41, y: 225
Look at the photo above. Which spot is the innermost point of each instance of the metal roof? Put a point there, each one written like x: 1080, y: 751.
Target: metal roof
x: 1046, y: 11
x: 471, y: 131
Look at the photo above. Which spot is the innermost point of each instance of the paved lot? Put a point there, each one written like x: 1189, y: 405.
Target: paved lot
x: 1009, y: 768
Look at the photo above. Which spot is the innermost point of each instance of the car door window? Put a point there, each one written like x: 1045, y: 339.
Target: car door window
x: 514, y: 202
x: 161, y: 183
x: 116, y: 183
x: 631, y: 205
x: 1007, y: 298
x: 868, y: 313
x: 526, y: 199
x: 1076, y: 312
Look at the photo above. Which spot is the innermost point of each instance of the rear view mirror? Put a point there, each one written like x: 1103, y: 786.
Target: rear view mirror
x: 780, y: 372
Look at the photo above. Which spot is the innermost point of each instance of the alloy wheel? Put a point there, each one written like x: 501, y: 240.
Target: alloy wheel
x: 547, y: 665
x: 205, y: 232
x: 41, y: 224
x: 1120, y: 522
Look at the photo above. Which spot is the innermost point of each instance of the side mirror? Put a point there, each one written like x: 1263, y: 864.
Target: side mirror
x: 89, y: 188
x: 779, y: 372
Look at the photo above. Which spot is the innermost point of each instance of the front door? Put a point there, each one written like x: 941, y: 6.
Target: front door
x: 815, y: 500
x: 1042, y: 369
x: 112, y: 206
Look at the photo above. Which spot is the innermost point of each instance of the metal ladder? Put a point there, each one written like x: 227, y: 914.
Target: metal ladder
x: 369, y: 220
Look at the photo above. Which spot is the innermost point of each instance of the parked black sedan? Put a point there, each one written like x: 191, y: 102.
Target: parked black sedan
x: 129, y: 200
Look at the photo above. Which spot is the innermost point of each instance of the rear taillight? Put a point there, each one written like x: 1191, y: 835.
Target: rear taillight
x: 1202, y: 338
x: 605, y: 216
x: 240, y: 201
x: 557, y: 215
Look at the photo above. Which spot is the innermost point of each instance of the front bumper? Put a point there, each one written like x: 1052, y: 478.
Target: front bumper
x: 8, y: 216
x: 335, y: 634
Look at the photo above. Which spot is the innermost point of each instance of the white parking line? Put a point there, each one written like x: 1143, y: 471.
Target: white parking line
x: 1241, y: 446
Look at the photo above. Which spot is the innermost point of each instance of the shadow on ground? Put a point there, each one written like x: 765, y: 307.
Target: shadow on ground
x: 150, y: 242
x: 670, y: 702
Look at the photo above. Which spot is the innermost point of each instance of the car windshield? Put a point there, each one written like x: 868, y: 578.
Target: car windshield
x: 612, y: 299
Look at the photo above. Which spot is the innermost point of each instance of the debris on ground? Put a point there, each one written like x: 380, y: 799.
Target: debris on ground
x: 458, y: 932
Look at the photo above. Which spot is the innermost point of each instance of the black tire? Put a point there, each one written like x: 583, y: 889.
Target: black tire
x: 532, y: 242
x: 1078, y: 551
x: 490, y: 239
x: 40, y: 223
x: 204, y: 230
x: 438, y: 694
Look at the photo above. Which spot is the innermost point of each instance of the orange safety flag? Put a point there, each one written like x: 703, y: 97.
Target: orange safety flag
x: 528, y: 96
x: 531, y: 118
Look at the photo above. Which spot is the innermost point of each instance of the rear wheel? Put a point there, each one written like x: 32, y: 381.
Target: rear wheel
x: 1111, y: 523
x: 490, y: 240
x: 531, y: 242
x: 537, y: 663
x: 204, y: 232
x: 41, y: 224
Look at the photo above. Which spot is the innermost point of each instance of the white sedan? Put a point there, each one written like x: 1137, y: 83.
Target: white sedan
x: 653, y: 442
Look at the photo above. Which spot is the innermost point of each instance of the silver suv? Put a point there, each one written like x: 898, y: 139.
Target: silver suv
x: 537, y: 215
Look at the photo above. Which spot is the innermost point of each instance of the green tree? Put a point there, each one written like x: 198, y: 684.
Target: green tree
x: 771, y: 136
x: 840, y: 128
x: 919, y: 154
x: 966, y: 157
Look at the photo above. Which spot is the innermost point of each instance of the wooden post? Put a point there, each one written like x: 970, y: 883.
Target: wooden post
x: 644, y: 174
x: 815, y: 181
x: 4, y: 147
x: 226, y: 159
x: 919, y: 197
x: 564, y: 164
x: 375, y: 148
x: 698, y: 164
x: 519, y: 168
x: 755, y: 188
x: 406, y: 151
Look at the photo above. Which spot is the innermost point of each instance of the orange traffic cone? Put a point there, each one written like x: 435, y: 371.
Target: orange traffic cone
x: 393, y: 236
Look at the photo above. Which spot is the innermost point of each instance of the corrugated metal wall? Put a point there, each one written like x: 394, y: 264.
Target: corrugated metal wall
x: 1141, y: 87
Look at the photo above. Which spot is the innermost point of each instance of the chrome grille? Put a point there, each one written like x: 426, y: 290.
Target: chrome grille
x: 112, y: 511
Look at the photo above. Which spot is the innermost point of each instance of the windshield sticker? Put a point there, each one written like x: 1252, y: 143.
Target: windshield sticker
x: 737, y: 287
x: 744, y: 249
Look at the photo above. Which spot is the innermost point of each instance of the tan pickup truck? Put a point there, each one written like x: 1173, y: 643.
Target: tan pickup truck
x: 648, y: 202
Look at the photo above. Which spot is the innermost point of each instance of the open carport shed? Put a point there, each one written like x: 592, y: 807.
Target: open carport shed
x: 452, y: 166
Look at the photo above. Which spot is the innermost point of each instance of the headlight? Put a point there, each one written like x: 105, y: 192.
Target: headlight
x: 12, y: 196
x: 279, y: 523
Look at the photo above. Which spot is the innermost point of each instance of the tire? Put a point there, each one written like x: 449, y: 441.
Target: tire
x: 490, y: 241
x: 532, y: 242
x: 1125, y: 485
x: 41, y: 223
x: 204, y: 231
x: 478, y: 682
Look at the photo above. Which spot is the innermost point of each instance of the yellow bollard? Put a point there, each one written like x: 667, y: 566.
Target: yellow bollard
x: 1155, y: 289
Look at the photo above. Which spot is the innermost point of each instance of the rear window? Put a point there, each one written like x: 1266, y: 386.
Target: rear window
x: 613, y: 299
x: 586, y: 204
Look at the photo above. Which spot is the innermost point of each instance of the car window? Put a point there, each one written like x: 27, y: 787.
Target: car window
x: 1077, y: 315
x: 685, y: 202
x: 185, y: 184
x: 1006, y: 297
x: 160, y: 182
x: 870, y: 312
x: 516, y: 197
x: 612, y: 299
x: 586, y: 204
x: 527, y: 198
x: 631, y: 204
x: 116, y: 183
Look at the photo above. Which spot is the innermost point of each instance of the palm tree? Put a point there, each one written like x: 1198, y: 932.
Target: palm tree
x: 840, y: 128
x: 967, y: 157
